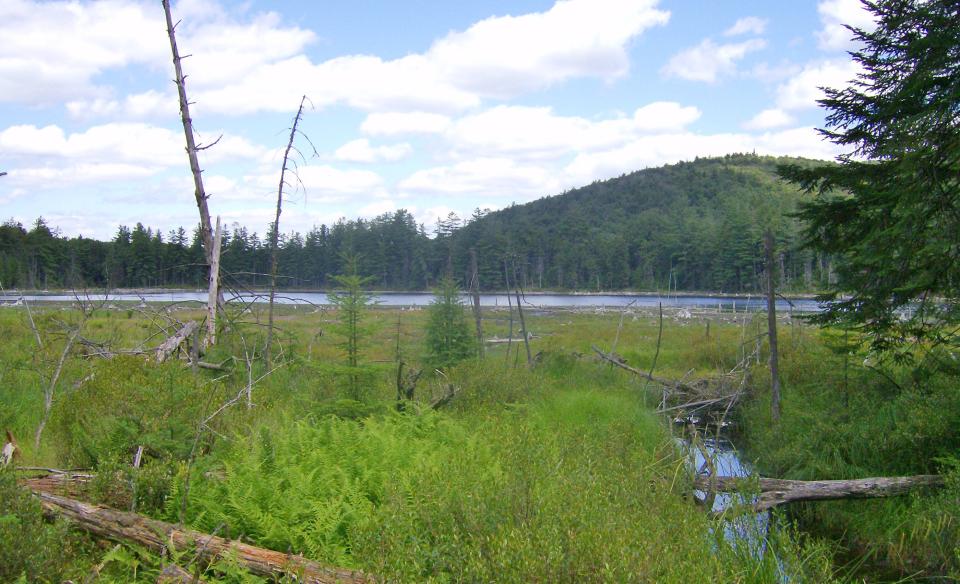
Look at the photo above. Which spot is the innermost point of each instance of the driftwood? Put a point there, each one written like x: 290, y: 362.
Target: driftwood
x: 170, y: 345
x: 158, y: 535
x: 775, y: 492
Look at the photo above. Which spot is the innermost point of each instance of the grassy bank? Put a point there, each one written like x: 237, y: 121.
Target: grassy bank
x: 846, y: 415
x: 557, y: 472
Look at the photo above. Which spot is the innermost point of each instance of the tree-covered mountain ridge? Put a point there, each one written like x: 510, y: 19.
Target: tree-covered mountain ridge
x: 694, y: 225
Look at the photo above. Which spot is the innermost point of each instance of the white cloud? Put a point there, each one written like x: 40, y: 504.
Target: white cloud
x: 118, y: 150
x: 483, y: 177
x: 664, y: 149
x: 803, y: 90
x: 360, y: 150
x: 69, y: 174
x: 326, y: 182
x: 708, y: 60
x: 377, y: 208
x: 508, y: 55
x: 147, y: 104
x: 834, y: 14
x: 662, y: 116
x: 768, y: 119
x: 536, y: 132
x: 498, y: 57
x: 53, y: 50
x: 393, y: 123
x: 747, y: 24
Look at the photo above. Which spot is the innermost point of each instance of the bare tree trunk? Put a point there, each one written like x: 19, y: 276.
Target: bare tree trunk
x: 51, y: 389
x: 192, y: 149
x: 523, y: 325
x: 275, y: 239
x: 475, y: 294
x: 214, y: 290
x: 772, y: 329
x: 206, y: 229
x: 506, y: 276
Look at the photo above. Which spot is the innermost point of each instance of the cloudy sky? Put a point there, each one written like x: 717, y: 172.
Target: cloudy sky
x: 427, y: 105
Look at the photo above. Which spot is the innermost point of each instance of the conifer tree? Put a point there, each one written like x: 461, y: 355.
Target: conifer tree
x: 449, y: 338
x: 890, y: 210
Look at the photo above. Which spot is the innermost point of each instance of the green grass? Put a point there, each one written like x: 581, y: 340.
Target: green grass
x: 558, y: 472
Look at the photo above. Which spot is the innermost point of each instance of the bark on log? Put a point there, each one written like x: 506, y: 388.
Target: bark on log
x: 156, y: 535
x: 775, y: 492
x: 170, y: 345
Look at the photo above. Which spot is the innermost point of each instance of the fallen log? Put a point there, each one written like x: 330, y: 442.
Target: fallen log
x: 158, y: 535
x: 170, y: 345
x: 775, y: 492
x: 662, y: 381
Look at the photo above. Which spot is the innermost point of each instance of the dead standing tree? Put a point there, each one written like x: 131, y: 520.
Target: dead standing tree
x: 206, y: 229
x: 275, y: 236
x: 772, y: 328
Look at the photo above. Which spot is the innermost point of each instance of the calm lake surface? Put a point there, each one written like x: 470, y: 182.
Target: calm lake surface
x: 725, y: 303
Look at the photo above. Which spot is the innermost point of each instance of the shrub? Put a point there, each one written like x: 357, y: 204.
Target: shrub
x: 30, y: 549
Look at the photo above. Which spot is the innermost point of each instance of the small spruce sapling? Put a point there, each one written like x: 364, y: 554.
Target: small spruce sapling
x: 449, y: 338
x: 353, y: 304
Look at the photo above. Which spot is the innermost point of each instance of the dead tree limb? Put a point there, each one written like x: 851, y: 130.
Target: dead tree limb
x: 167, y: 347
x: 52, y: 387
x: 275, y: 236
x: 660, y: 380
x: 775, y: 492
x: 157, y: 535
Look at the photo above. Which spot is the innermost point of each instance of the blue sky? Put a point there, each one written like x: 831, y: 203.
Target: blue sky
x: 431, y: 106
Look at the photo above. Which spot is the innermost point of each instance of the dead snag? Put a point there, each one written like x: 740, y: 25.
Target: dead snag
x: 275, y: 235
x: 768, y: 244
x: 158, y: 535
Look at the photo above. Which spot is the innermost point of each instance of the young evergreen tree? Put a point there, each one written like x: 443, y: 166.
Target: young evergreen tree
x: 449, y: 338
x: 890, y: 211
x: 353, y: 304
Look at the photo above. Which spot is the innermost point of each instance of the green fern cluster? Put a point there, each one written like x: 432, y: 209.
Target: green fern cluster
x: 301, y: 488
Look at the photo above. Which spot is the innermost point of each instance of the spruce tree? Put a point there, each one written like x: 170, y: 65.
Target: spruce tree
x: 890, y: 210
x: 449, y: 338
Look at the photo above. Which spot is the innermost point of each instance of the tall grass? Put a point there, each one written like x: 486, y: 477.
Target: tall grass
x: 553, y: 473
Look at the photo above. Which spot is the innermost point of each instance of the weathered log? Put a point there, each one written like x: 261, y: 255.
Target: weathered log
x: 158, y: 535
x: 775, y: 492
x: 66, y: 483
x: 170, y: 345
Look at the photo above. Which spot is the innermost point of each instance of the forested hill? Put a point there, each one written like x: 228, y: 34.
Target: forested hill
x: 688, y: 226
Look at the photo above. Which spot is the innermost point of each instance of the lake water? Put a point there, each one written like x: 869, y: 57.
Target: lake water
x: 614, y: 301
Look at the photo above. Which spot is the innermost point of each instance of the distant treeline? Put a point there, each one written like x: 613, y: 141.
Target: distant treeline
x: 689, y: 226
